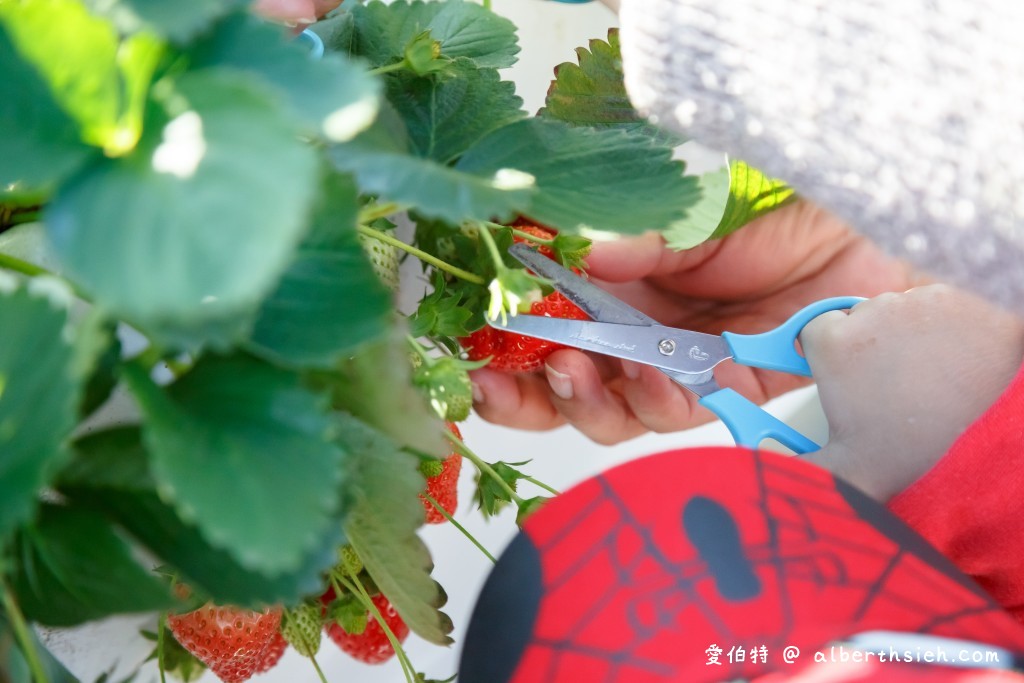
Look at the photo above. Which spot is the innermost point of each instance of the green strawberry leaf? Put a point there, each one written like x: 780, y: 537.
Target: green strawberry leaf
x: 703, y: 217
x: 96, y: 76
x: 752, y: 194
x: 333, y: 97
x: 604, y: 179
x: 329, y: 300
x: 169, y: 212
x: 381, y: 33
x: 446, y: 114
x: 383, y: 166
x: 41, y: 380
x: 40, y: 144
x: 111, y: 474
x: 270, y: 475
x: 75, y: 568
x: 384, y: 484
x: 593, y: 93
x: 179, y: 20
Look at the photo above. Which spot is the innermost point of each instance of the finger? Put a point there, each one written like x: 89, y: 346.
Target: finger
x: 520, y: 401
x: 660, y: 404
x: 633, y: 258
x: 818, y: 338
x: 586, y: 402
x: 289, y: 11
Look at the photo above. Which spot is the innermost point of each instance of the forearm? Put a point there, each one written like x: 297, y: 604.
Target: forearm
x: 904, y: 121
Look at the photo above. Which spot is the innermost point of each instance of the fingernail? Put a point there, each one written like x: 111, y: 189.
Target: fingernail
x: 630, y: 370
x: 478, y: 394
x: 560, y: 383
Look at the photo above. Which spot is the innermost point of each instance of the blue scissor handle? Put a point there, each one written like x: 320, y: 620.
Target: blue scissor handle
x: 749, y: 424
x: 775, y: 349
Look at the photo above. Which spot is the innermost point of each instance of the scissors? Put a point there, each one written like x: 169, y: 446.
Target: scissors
x: 687, y: 357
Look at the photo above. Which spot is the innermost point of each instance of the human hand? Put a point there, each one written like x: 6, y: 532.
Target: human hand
x: 294, y: 11
x: 748, y: 282
x: 901, y: 376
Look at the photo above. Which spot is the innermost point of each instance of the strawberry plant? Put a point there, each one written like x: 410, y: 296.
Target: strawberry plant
x: 202, y: 222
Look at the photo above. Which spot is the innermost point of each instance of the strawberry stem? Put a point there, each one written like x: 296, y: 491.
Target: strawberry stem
x: 319, y: 672
x: 357, y: 589
x: 388, y: 68
x: 537, y: 482
x: 483, y: 467
x: 464, y: 530
x: 372, y: 212
x: 421, y: 255
x: 492, y: 247
x: 24, y: 267
x: 520, y: 233
x: 22, y: 635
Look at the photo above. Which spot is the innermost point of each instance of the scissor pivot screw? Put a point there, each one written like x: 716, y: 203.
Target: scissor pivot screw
x: 667, y: 347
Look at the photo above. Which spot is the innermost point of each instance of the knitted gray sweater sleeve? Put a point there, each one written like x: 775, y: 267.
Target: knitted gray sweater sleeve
x: 904, y: 117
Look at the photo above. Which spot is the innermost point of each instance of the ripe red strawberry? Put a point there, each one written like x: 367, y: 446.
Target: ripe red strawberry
x: 525, y: 225
x: 442, y: 482
x: 233, y: 642
x: 512, y: 352
x: 372, y: 645
x: 272, y: 655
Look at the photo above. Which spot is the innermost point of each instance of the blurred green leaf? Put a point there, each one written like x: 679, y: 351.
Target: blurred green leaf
x: 376, y: 387
x: 110, y: 473
x: 381, y: 32
x: 334, y: 97
x: 329, y: 300
x: 75, y: 568
x: 604, y: 179
x: 384, y: 483
x: 186, y: 235
x: 39, y: 391
x: 244, y: 452
x: 702, y: 218
x: 40, y: 144
x: 592, y: 93
x: 178, y: 20
x: 97, y: 77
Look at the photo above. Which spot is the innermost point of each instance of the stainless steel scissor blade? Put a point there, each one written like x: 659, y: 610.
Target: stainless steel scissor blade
x: 602, y: 307
x: 666, y: 348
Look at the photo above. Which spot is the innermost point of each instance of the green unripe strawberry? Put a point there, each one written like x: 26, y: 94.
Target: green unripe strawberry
x: 447, y: 385
x: 384, y: 258
x: 301, y: 627
x: 431, y: 468
x: 349, y: 559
